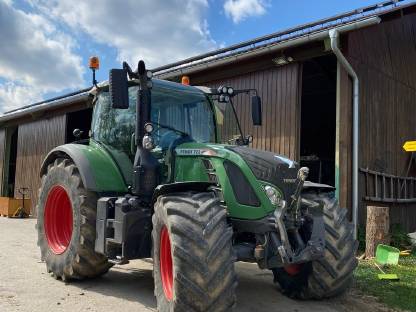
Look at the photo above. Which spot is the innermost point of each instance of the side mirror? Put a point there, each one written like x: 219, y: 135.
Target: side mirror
x: 119, y: 92
x: 256, y: 110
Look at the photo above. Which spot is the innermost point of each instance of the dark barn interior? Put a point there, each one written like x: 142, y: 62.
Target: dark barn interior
x: 78, y: 120
x: 10, y: 162
x: 318, y: 118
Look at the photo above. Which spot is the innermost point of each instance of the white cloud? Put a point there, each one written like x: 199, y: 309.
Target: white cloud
x: 239, y: 10
x: 35, y: 58
x: 13, y: 95
x: 157, y: 31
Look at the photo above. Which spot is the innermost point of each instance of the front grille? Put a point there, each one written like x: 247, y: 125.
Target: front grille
x: 242, y: 189
x: 212, y: 176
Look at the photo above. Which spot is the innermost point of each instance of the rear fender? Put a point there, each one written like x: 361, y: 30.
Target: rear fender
x: 98, y: 171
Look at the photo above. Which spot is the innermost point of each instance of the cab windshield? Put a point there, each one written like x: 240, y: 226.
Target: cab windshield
x: 176, y: 111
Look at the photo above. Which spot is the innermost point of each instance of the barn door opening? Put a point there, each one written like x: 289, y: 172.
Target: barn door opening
x: 10, y: 161
x: 318, y: 118
x: 78, y: 120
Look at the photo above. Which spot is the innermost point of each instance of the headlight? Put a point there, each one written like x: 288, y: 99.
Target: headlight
x: 148, y: 142
x: 148, y: 127
x: 273, y: 195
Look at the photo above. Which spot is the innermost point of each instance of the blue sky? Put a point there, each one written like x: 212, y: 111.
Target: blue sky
x: 46, y: 43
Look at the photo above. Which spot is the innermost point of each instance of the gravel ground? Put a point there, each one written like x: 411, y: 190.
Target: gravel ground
x: 25, y: 285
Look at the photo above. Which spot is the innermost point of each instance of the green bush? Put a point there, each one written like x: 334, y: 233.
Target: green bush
x: 399, y: 237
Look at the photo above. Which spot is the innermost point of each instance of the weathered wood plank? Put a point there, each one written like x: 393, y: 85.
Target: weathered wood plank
x: 384, y: 56
x: 35, y: 140
x: 279, y: 89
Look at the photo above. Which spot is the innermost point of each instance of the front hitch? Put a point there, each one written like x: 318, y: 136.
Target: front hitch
x: 288, y: 218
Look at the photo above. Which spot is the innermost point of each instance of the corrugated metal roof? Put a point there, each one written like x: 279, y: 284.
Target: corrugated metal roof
x: 281, y: 36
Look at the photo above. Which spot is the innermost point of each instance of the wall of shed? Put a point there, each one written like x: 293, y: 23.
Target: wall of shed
x: 384, y: 57
x: 343, y: 153
x: 35, y: 140
x: 279, y: 88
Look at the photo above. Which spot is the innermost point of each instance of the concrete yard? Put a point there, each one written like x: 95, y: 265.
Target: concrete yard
x: 25, y: 285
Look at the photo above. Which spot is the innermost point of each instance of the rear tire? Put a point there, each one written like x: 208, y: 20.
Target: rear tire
x: 66, y: 224
x: 192, y: 254
x: 332, y: 275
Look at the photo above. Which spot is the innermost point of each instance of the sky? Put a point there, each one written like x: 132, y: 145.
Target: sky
x: 45, y: 44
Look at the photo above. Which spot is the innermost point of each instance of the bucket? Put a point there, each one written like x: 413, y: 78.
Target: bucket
x: 387, y: 255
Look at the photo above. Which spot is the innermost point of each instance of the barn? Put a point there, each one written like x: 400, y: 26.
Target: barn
x: 338, y: 96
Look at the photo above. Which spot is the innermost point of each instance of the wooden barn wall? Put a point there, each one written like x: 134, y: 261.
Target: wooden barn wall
x: 344, y: 127
x: 384, y: 57
x: 279, y: 89
x: 2, y: 155
x: 34, y: 142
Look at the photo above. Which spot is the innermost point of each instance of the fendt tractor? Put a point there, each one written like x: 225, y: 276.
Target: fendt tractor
x: 156, y: 180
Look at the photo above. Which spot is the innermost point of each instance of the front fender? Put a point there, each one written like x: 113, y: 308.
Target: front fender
x: 177, y: 187
x: 99, y: 172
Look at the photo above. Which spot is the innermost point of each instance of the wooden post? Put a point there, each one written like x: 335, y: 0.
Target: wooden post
x: 377, y: 230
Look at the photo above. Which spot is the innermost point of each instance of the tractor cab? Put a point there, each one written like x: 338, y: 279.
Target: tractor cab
x: 145, y: 119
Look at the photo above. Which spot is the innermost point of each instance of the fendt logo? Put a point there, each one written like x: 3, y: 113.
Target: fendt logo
x: 289, y: 181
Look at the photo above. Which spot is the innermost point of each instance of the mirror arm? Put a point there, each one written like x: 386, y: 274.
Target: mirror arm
x: 246, y: 91
x: 129, y: 71
x: 236, y: 117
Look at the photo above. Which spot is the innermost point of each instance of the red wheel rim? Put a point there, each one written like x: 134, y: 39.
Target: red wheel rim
x: 293, y: 269
x: 166, y: 266
x: 58, y: 220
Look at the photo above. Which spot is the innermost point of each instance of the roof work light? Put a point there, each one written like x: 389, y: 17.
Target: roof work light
x: 186, y: 81
x: 94, y: 64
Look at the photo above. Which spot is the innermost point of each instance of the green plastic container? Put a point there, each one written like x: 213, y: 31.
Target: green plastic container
x: 387, y: 255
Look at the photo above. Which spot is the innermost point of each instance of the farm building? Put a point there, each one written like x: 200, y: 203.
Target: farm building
x: 312, y: 78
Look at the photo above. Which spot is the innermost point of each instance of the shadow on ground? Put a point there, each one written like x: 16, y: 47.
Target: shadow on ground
x: 130, y: 284
x: 255, y: 292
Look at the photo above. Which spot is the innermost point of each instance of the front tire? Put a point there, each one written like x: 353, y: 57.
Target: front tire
x: 332, y: 275
x: 66, y: 224
x: 192, y: 254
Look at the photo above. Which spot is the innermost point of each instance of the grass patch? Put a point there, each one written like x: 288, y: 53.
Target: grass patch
x: 395, y: 294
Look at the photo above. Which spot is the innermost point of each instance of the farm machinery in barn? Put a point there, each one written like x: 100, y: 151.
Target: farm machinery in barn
x: 154, y: 181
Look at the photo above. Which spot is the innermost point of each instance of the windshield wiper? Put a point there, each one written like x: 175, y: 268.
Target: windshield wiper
x: 183, y: 134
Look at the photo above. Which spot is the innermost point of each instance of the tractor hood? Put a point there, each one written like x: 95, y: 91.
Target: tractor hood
x: 270, y: 167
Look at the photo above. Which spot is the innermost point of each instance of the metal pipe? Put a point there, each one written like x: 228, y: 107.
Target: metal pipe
x: 334, y: 36
x: 321, y: 35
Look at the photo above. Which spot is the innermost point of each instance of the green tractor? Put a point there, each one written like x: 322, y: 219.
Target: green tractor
x: 156, y: 181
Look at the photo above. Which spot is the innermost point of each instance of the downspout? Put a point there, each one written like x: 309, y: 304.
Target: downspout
x: 334, y: 36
